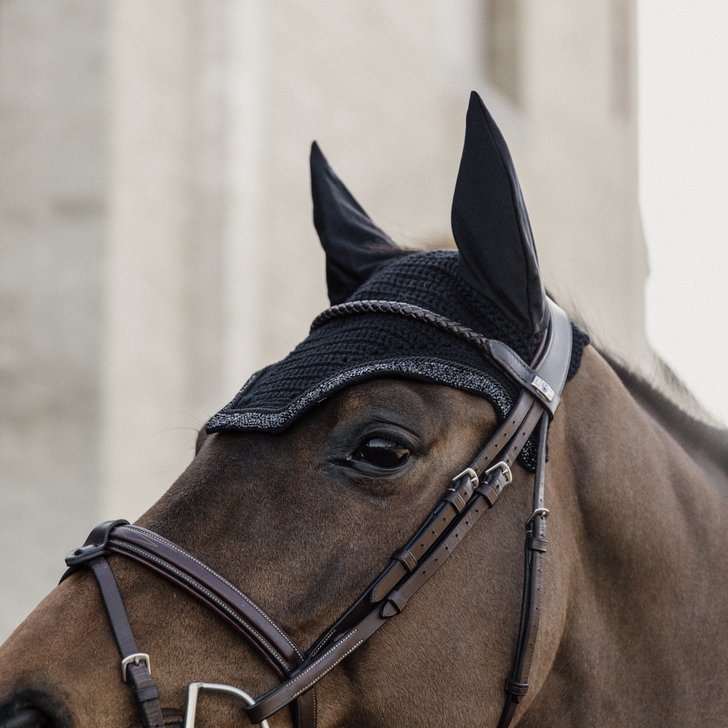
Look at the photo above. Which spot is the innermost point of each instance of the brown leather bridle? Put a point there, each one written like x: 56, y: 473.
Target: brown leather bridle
x: 470, y: 494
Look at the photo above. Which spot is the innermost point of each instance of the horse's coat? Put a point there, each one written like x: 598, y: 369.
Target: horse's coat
x: 634, y: 610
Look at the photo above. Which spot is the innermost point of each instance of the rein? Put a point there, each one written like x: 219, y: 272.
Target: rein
x: 470, y: 494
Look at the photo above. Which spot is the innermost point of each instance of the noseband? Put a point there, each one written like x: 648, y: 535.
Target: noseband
x: 470, y: 494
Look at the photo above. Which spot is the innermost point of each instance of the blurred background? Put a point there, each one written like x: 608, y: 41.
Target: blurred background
x: 156, y: 243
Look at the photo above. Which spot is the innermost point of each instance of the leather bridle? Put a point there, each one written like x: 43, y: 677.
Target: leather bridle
x: 470, y: 494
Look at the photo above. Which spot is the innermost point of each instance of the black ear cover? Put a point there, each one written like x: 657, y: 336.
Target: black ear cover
x: 355, y: 247
x: 491, y: 226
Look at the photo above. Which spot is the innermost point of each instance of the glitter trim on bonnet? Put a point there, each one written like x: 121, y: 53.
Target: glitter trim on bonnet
x: 428, y: 370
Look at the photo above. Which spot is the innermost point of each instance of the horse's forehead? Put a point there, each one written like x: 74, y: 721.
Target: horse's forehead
x: 396, y: 394
x: 419, y: 402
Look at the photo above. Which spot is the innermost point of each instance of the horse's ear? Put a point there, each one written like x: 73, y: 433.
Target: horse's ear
x: 491, y: 227
x: 355, y: 247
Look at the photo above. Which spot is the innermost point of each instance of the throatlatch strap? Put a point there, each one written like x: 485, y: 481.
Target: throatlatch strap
x: 535, y: 550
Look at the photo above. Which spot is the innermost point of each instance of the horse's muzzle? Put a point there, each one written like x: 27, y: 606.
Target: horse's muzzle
x: 28, y: 713
x: 27, y: 718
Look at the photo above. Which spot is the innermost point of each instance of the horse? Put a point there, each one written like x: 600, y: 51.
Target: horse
x: 361, y: 538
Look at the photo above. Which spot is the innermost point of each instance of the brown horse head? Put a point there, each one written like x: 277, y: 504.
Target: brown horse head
x: 325, y: 550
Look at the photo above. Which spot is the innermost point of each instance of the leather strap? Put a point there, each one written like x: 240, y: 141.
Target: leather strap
x: 137, y: 673
x: 213, y: 590
x: 516, y: 687
x: 447, y: 509
x: 219, y: 595
x: 535, y: 550
x: 394, y: 602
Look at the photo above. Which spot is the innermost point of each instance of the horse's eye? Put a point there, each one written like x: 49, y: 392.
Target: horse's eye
x: 382, y: 452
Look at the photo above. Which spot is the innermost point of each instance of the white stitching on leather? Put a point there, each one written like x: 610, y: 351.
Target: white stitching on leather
x: 161, y: 539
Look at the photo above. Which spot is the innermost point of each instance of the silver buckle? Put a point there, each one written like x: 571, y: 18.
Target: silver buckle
x: 193, y: 690
x: 543, y: 512
x: 136, y: 659
x: 474, y: 480
x: 503, y: 466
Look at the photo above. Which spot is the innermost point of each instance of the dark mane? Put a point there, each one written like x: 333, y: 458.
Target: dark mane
x: 697, y: 436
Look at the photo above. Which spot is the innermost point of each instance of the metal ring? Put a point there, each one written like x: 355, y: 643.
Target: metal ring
x: 194, y: 688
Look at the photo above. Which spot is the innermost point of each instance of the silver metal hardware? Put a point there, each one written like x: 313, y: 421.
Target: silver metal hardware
x: 474, y: 479
x: 544, y: 387
x: 136, y: 659
x: 538, y: 512
x: 193, y: 690
x: 503, y: 466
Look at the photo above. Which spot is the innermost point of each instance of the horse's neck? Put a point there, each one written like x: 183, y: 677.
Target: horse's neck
x: 646, y: 614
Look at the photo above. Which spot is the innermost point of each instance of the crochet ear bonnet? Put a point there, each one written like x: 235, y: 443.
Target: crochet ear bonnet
x: 490, y: 286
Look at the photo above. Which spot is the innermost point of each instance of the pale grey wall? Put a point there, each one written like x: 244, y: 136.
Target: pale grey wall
x: 155, y: 222
x: 580, y: 156
x: 53, y: 213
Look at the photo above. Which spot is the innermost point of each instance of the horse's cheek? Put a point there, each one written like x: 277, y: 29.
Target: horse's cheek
x: 63, y: 653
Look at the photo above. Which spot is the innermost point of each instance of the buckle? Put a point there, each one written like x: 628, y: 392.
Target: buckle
x: 538, y: 512
x: 503, y: 466
x: 472, y: 475
x: 136, y: 659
